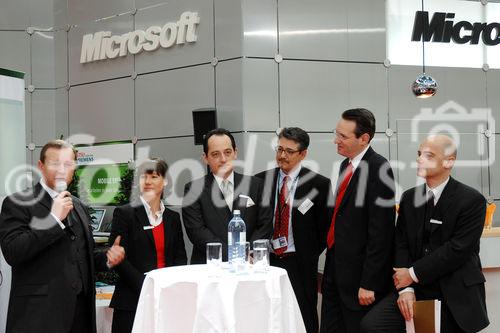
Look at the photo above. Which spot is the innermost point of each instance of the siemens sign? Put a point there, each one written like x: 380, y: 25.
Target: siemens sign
x: 102, y: 45
x: 442, y: 29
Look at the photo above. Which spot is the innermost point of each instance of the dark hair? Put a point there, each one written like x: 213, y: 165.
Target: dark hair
x: 364, y: 119
x: 219, y: 132
x: 56, y: 144
x: 295, y: 134
x: 153, y: 165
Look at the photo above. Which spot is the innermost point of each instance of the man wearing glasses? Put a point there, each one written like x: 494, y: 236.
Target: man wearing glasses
x: 46, y: 237
x: 298, y: 197
x: 360, y: 236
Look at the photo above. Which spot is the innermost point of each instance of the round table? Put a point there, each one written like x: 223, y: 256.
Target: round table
x: 188, y: 299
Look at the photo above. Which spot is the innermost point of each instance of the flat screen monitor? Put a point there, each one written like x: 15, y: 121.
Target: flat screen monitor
x: 97, y: 216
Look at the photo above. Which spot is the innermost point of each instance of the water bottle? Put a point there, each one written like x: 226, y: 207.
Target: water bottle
x: 236, y: 238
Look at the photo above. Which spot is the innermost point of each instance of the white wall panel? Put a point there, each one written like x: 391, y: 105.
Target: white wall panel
x: 314, y: 94
x: 49, y: 59
x: 102, y: 69
x: 13, y: 15
x: 167, y: 99
x: 315, y: 29
x: 85, y: 11
x: 201, y: 51
x: 104, y: 110
x: 15, y: 53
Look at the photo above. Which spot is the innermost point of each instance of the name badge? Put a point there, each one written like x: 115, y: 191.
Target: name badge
x: 147, y: 227
x: 436, y: 221
x: 278, y: 243
x: 305, y: 206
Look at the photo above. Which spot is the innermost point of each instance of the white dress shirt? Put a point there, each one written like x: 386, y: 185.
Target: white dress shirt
x: 357, y: 159
x: 154, y: 218
x: 53, y: 194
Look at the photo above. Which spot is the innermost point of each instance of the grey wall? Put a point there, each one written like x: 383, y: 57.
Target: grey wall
x: 333, y: 59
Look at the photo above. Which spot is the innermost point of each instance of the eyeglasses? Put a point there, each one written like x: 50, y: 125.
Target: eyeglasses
x: 340, y: 136
x: 57, y: 164
x: 287, y: 151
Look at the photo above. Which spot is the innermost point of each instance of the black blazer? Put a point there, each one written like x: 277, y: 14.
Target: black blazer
x: 364, y: 231
x: 454, y: 261
x: 309, y: 229
x: 128, y: 222
x: 42, y: 298
x: 206, y: 215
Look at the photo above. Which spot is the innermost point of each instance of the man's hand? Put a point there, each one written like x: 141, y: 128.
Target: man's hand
x: 115, y: 253
x: 366, y: 297
x: 62, y: 205
x: 405, y: 304
x: 401, y: 278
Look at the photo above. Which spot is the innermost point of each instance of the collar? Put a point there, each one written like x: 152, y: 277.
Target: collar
x: 292, y: 174
x: 156, y: 218
x: 51, y: 192
x: 438, y: 190
x: 357, y: 159
x: 219, y: 180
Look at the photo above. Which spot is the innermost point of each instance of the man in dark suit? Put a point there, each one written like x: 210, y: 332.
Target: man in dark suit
x: 45, y: 236
x: 437, y: 248
x: 209, y: 201
x: 360, y: 235
x: 298, y: 197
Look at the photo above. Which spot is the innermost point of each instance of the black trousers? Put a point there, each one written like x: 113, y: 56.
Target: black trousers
x: 336, y: 317
x: 305, y: 287
x: 82, y: 318
x: 122, y: 321
x: 386, y: 317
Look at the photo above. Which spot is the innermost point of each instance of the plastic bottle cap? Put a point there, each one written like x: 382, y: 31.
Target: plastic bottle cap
x: 236, y: 211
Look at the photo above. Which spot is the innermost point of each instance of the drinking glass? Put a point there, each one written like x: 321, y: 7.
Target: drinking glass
x: 214, y: 258
x: 261, y: 244
x: 260, y: 259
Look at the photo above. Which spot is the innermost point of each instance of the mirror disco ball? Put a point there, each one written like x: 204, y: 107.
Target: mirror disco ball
x: 424, y: 86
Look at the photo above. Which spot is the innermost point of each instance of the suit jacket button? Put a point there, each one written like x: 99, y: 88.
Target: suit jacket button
x: 73, y: 237
x: 74, y: 285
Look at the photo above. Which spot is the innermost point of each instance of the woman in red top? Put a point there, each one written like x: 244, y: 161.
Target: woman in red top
x: 152, y: 238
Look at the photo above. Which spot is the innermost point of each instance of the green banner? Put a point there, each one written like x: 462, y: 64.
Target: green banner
x: 103, y: 185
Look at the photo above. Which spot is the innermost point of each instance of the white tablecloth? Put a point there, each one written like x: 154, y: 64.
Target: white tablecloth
x: 185, y: 299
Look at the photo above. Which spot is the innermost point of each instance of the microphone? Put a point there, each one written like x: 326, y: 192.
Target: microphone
x: 61, y: 186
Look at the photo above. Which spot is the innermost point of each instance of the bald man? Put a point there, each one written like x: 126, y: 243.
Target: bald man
x: 436, y: 248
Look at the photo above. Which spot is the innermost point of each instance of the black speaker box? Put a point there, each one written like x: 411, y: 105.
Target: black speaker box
x: 204, y: 120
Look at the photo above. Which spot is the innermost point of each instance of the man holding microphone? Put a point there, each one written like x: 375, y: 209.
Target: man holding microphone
x: 45, y: 236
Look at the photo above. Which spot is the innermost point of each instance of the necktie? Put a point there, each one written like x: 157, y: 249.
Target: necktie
x: 429, y: 209
x: 227, y: 192
x: 330, y: 240
x: 281, y: 217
